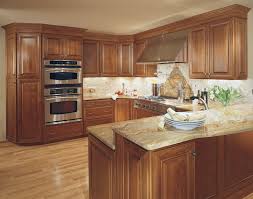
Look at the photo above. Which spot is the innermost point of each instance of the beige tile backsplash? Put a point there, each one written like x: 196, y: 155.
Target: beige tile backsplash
x: 109, y: 85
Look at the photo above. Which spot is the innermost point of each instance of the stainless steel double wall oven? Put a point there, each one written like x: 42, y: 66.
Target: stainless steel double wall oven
x: 63, y: 91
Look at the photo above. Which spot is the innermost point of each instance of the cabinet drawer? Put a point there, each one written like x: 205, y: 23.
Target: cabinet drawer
x: 98, y: 103
x: 98, y: 112
x: 97, y: 121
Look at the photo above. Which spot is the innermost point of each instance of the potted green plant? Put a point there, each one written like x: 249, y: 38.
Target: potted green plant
x: 224, y: 95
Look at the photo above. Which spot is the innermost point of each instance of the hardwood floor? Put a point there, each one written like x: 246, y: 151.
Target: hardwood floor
x: 53, y: 171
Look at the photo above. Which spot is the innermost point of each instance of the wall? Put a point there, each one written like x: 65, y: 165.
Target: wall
x: 2, y: 86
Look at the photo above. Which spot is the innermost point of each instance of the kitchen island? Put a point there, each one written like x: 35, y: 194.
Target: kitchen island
x: 137, y: 160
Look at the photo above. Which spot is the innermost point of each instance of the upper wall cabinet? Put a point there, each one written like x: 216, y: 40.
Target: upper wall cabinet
x: 91, y: 58
x: 139, y: 69
x: 142, y: 70
x: 198, y: 52
x: 108, y: 58
x: 125, y: 59
x: 28, y: 44
x: 61, y: 47
x: 218, y: 50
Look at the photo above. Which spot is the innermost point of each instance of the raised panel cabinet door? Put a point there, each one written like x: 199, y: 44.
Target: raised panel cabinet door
x: 221, y: 57
x: 73, y: 49
x: 101, y: 170
x: 240, y: 51
x: 108, y: 58
x: 136, y: 164
x: 91, y: 62
x: 139, y: 70
x: 151, y: 70
x: 173, y: 172
x: 11, y: 110
x: 237, y: 155
x: 198, y: 53
x: 11, y: 48
x: 206, y: 168
x: 53, y: 47
x: 122, y: 110
x: 29, y: 111
x: 29, y: 55
x: 125, y: 59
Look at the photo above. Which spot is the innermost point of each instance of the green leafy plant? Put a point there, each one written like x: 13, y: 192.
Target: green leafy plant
x: 224, y: 95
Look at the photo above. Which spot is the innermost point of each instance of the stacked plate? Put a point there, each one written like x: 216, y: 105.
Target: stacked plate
x: 183, y: 125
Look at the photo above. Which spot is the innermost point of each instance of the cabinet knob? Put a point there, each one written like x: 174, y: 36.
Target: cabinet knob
x: 194, y: 153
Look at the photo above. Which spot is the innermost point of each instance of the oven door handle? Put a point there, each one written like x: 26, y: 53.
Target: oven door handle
x: 63, y: 70
x: 60, y: 98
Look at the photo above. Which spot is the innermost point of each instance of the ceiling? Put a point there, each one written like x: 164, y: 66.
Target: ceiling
x: 111, y: 16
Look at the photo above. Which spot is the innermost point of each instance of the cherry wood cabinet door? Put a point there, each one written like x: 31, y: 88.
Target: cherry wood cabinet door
x: 11, y: 110
x: 72, y: 49
x: 136, y: 165
x: 11, y: 55
x: 198, y: 52
x: 206, y: 168
x: 101, y: 170
x: 220, y: 43
x: 236, y: 153
x: 108, y: 58
x: 173, y: 172
x: 139, y: 70
x: 151, y: 70
x: 125, y: 59
x: 28, y: 55
x: 53, y: 46
x: 91, y: 64
x: 29, y: 111
x: 122, y: 110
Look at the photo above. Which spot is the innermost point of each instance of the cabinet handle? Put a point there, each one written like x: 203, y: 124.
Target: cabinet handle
x: 194, y: 153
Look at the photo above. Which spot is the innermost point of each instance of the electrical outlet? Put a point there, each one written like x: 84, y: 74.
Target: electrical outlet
x: 252, y: 91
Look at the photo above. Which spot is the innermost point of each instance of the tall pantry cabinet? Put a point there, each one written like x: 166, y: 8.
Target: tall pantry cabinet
x: 24, y: 97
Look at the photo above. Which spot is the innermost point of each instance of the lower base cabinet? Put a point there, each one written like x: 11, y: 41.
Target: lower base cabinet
x: 210, y: 168
x: 102, y: 175
x: 60, y: 132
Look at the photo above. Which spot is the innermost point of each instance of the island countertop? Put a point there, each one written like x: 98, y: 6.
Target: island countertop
x: 146, y: 134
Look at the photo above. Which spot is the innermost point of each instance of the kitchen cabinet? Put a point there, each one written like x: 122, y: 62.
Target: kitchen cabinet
x: 165, y: 173
x: 64, y: 131
x: 123, y: 110
x: 29, y: 111
x: 151, y: 70
x: 218, y: 50
x: 206, y: 168
x: 108, y: 58
x: 102, y: 180
x: 174, y: 168
x: 62, y: 47
x: 125, y: 59
x: 24, y: 98
x: 139, y: 69
x: 198, y: 50
x: 214, y: 167
x: 142, y: 70
x: 91, y: 58
x: 98, y: 112
x: 28, y: 44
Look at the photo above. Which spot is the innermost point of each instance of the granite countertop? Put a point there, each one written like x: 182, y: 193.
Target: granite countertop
x: 146, y: 134
x: 97, y: 97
